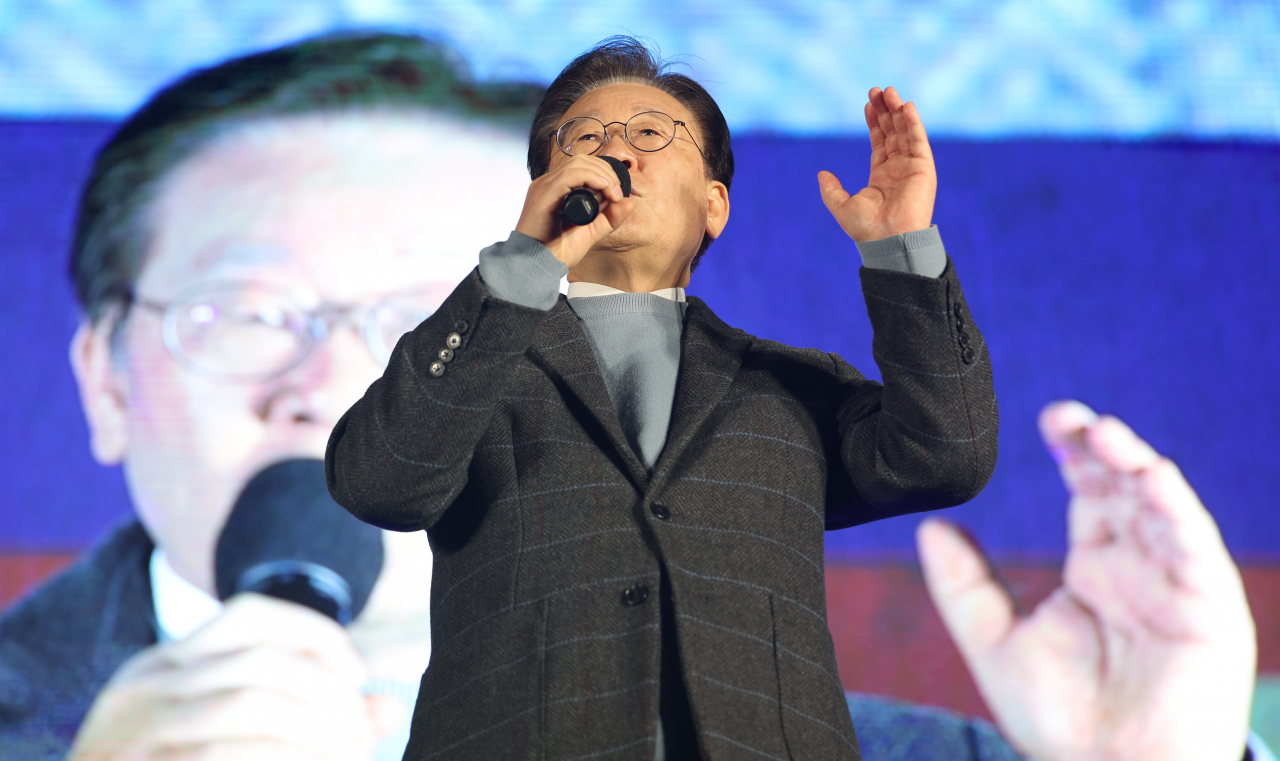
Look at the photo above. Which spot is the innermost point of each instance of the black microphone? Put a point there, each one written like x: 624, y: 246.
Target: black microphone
x: 581, y: 207
x: 288, y: 539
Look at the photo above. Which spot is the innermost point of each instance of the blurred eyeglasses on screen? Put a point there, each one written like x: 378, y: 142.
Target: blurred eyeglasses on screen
x: 246, y: 330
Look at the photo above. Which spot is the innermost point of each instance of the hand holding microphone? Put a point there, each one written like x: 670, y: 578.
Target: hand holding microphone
x: 274, y: 675
x: 582, y: 206
x: 563, y: 197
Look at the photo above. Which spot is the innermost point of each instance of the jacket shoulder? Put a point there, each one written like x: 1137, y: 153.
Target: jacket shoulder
x: 762, y: 352
x: 61, y: 643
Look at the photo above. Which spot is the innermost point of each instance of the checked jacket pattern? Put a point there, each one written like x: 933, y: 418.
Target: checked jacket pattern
x: 550, y: 536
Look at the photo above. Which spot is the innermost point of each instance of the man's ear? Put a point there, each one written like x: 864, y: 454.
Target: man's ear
x: 717, y: 208
x: 103, y: 391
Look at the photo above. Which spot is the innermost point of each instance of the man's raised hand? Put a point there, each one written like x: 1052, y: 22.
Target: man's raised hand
x: 899, y: 194
x: 1148, y: 649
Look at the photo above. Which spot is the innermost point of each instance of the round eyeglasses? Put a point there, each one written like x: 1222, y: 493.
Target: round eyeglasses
x: 249, y: 331
x: 647, y: 131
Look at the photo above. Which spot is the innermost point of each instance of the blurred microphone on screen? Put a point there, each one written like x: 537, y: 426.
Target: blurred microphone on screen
x: 286, y: 538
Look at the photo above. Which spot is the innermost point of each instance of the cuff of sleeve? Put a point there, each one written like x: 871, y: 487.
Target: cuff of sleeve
x: 523, y: 271
x: 918, y: 252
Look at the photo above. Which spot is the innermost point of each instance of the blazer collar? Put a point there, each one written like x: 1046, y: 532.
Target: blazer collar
x: 711, y: 353
x: 563, y: 351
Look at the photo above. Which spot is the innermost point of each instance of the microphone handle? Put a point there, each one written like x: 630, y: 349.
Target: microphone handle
x: 580, y: 207
x: 297, y: 581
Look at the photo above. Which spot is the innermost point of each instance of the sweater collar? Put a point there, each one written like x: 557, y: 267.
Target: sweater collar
x: 581, y: 290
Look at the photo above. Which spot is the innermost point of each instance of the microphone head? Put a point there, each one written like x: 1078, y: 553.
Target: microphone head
x: 287, y: 538
x: 624, y: 176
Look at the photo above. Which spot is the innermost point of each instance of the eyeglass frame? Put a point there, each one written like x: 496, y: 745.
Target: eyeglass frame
x: 320, y: 324
x: 604, y: 129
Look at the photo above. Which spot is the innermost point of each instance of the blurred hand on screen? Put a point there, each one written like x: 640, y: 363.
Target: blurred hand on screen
x: 265, y: 680
x: 1148, y: 649
x: 899, y: 194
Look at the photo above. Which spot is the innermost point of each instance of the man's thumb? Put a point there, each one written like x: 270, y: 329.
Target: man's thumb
x: 833, y: 193
x: 974, y: 605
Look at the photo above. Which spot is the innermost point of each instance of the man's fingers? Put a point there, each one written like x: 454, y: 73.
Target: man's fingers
x: 1062, y: 426
x: 917, y: 141
x: 290, y: 674
x: 332, y: 731
x: 612, y: 216
x: 873, y: 127
x: 895, y: 104
x: 974, y: 606
x: 892, y: 100
x: 884, y: 119
x: 875, y: 96
x: 1182, y: 528
x: 1116, y: 445
x: 251, y: 620
x: 386, y: 713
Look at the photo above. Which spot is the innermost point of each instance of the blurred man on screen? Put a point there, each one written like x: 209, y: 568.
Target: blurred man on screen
x: 319, y: 184
x: 326, y: 174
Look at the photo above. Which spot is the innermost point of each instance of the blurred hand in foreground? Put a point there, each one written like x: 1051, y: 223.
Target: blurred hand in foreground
x: 1148, y: 649
x: 264, y: 680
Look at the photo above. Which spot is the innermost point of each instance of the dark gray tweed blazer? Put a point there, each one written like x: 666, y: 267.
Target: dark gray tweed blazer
x: 550, y: 537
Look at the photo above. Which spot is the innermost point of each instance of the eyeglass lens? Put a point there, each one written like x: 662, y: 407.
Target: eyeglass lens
x: 250, y: 332
x: 649, y: 131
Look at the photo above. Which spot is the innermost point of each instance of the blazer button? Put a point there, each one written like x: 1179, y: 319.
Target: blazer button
x: 436, y: 369
x: 633, y: 596
x: 963, y: 338
x: 461, y: 326
x: 446, y: 355
x: 453, y: 341
x: 660, y: 511
x: 967, y: 355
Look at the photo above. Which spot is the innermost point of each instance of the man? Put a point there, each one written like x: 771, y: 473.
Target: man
x: 313, y: 190
x: 626, y: 498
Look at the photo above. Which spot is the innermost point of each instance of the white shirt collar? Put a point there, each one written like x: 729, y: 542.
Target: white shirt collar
x: 181, y: 607
x: 581, y: 290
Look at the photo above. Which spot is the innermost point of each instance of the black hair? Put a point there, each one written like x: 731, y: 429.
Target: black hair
x: 626, y: 59
x: 328, y: 73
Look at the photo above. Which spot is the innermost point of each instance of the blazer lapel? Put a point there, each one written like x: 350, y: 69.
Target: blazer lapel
x: 562, y: 350
x: 710, y: 355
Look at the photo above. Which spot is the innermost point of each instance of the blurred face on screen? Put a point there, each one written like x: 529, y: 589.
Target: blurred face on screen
x: 338, y: 216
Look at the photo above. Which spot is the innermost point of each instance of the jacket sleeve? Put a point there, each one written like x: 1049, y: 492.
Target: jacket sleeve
x: 927, y: 440
x: 399, y: 457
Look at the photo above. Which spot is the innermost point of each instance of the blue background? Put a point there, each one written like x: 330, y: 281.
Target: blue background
x: 1140, y: 277
x: 1109, y: 181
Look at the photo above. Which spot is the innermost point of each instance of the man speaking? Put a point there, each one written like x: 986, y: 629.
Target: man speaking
x: 626, y: 497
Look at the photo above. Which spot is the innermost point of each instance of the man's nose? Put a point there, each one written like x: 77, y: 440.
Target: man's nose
x: 617, y: 146
x: 326, y: 383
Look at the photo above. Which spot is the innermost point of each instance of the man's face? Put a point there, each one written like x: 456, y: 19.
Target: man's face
x: 675, y: 202
x: 339, y: 210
